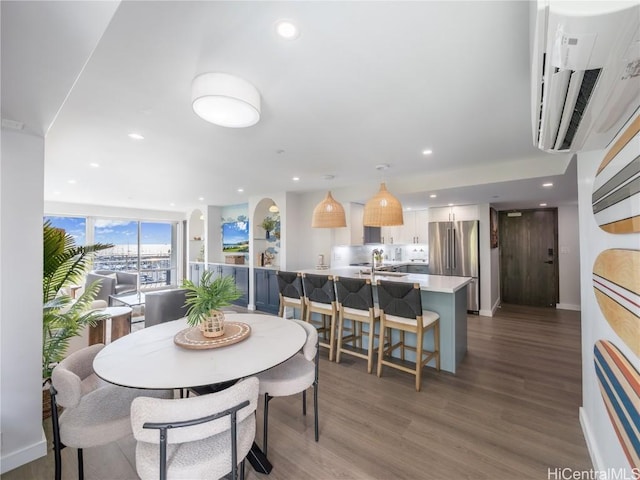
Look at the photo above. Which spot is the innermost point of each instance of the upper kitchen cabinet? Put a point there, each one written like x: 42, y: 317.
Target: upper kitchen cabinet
x: 354, y: 234
x: 456, y: 213
x: 414, y: 230
x: 416, y: 227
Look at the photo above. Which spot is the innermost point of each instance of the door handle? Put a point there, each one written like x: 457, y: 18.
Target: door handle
x: 550, y: 262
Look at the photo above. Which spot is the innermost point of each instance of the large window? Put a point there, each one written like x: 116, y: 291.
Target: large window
x: 148, y: 248
x: 143, y: 247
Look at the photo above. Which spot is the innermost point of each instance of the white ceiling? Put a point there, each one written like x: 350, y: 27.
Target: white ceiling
x: 366, y: 83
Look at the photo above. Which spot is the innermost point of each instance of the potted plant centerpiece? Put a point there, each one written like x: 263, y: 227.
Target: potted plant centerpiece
x: 205, y: 300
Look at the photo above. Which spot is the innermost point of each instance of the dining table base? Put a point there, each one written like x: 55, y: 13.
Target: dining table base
x: 259, y: 460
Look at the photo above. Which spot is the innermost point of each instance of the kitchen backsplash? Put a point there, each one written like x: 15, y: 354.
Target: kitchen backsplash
x: 345, y: 255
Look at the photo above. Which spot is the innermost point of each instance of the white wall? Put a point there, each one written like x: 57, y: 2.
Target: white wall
x: 21, y: 200
x: 569, y: 257
x: 601, y: 439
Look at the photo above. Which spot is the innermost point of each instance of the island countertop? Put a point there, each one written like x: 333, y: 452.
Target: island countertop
x: 428, y: 283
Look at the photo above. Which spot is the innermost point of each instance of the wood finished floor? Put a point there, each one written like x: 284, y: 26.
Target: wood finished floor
x: 511, y: 412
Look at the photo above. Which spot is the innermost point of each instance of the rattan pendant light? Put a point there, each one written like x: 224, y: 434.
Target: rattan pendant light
x: 328, y: 214
x: 383, y: 210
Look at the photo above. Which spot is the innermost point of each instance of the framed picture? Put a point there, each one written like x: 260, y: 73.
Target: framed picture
x: 493, y: 222
x: 235, y: 237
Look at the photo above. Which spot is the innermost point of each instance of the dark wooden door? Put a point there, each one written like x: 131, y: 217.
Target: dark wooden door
x: 528, y: 257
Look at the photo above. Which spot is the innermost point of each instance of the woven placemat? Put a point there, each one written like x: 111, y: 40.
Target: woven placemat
x: 193, y: 338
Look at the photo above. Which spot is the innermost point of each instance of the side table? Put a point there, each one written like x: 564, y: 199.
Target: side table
x: 120, y: 320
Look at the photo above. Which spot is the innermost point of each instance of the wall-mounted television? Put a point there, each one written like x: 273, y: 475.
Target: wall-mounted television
x: 235, y: 237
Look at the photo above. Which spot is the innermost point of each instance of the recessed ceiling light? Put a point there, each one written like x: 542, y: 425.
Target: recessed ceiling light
x: 240, y: 190
x: 433, y: 195
x: 408, y: 208
x: 136, y: 136
x: 287, y: 29
x: 427, y: 152
x: 172, y: 204
x: 201, y: 199
x: 94, y: 164
x: 543, y: 204
x: 296, y: 179
x: 72, y: 181
x: 382, y: 166
x: 451, y: 204
x: 57, y: 192
x: 547, y: 185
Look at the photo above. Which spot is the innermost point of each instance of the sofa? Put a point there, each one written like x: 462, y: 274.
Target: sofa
x: 164, y: 305
x: 112, y: 283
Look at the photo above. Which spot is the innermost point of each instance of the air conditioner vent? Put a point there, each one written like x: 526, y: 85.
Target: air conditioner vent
x: 586, y: 89
x: 584, y: 72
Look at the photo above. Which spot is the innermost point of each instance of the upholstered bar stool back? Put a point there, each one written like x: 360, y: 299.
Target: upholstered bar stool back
x: 355, y: 303
x: 320, y: 297
x: 401, y: 309
x: 290, y: 292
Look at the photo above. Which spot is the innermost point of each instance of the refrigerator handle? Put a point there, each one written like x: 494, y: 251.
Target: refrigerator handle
x: 446, y: 252
x: 453, y: 248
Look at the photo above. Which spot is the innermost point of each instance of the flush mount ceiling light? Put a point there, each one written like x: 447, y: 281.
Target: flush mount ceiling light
x: 225, y: 100
x: 383, y: 210
x: 328, y: 214
x: 287, y: 29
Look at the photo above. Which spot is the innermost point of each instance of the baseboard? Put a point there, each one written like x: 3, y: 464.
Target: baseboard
x: 485, y: 313
x: 589, y: 437
x: 23, y: 456
x: 567, y: 306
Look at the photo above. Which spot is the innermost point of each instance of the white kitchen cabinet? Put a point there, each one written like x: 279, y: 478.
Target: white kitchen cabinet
x: 415, y: 228
x: 356, y: 227
x: 391, y: 235
x: 456, y: 213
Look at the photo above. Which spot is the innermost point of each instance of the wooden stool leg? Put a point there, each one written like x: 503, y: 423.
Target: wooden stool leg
x: 332, y: 336
x: 369, y: 346
x: 436, y: 343
x: 381, y: 336
x: 339, y: 340
x: 419, y: 340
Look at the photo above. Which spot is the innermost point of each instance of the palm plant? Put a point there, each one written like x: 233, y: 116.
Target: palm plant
x: 210, y: 294
x: 64, y: 264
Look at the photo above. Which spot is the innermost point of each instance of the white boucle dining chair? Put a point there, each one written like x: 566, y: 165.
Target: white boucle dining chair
x: 293, y: 376
x: 95, y: 412
x: 198, y: 437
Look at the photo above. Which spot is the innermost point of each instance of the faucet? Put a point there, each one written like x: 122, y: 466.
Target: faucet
x: 375, y: 254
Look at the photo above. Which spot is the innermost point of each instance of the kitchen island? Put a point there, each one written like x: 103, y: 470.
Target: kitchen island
x: 445, y: 295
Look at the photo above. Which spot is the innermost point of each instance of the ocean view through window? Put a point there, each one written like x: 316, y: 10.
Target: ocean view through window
x: 147, y: 248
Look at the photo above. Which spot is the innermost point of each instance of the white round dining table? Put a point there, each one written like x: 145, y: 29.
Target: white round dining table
x: 149, y: 358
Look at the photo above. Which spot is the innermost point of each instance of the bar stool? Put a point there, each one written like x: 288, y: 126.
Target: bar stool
x: 401, y: 309
x: 355, y: 303
x: 290, y: 292
x: 320, y: 297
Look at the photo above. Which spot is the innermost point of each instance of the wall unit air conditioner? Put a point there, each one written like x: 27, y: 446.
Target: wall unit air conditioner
x: 585, y: 72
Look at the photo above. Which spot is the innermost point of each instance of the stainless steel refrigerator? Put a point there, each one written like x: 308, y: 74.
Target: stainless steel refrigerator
x: 454, y: 250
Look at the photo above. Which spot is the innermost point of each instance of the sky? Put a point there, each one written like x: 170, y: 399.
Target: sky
x: 118, y: 232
